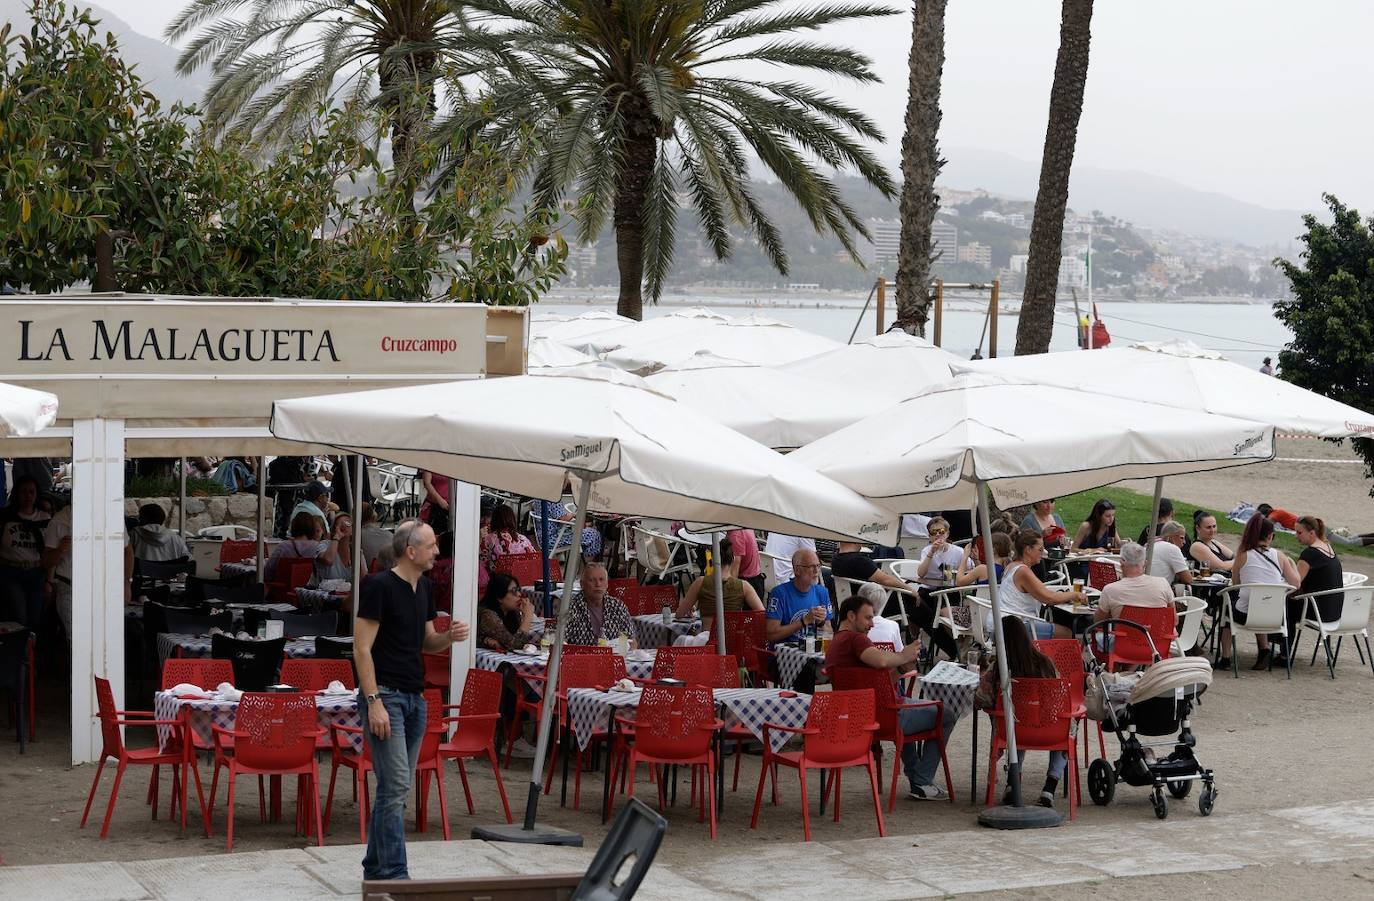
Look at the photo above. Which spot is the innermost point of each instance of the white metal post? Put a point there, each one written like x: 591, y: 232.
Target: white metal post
x: 356, y: 477
x: 97, y: 575
x: 464, y: 502
x: 262, y: 515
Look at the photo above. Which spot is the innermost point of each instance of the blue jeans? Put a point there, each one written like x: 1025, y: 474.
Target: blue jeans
x: 393, y: 760
x: 920, y: 766
x: 1059, y: 761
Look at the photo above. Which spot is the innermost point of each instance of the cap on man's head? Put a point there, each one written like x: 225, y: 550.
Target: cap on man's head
x: 316, y: 490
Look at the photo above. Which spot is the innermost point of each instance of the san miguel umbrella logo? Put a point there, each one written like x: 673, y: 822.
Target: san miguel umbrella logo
x: 941, y: 475
x: 1248, y: 443
x: 580, y: 452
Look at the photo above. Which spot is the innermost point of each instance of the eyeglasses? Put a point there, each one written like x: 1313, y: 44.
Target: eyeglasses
x: 807, y: 566
x: 938, y: 532
x: 514, y: 590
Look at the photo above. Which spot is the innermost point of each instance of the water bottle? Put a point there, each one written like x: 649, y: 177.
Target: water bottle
x: 667, y: 614
x: 975, y: 656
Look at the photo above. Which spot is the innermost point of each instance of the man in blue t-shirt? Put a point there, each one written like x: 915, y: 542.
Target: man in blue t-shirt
x: 799, y: 604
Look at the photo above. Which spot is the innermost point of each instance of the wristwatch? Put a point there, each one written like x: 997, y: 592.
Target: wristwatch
x: 372, y: 697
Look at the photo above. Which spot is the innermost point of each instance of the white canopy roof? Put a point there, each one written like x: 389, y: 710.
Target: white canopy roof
x: 895, y: 363
x: 774, y: 408
x: 569, y: 328
x: 1027, y: 441
x: 749, y: 338
x: 666, y: 326
x: 1183, y: 375
x: 642, y: 451
x: 546, y: 353
x: 25, y: 412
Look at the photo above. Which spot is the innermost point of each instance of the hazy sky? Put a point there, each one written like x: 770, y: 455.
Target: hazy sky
x: 1261, y: 100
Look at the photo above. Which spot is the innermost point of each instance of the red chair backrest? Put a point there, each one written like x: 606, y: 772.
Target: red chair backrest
x: 443, y: 622
x: 437, y: 669
x: 434, y: 724
x: 276, y: 730
x: 845, y: 721
x: 1067, y: 654
x: 570, y: 649
x: 1042, y: 710
x: 646, y: 600
x: 1130, y: 645
x: 110, y: 735
x: 879, y: 682
x: 885, y: 646
x: 1101, y: 574
x: 237, y: 551
x: 296, y: 571
x: 587, y: 671
x: 315, y: 674
x: 528, y: 569
x: 666, y: 660
x: 481, y: 696
x: 744, y: 634
x: 618, y: 586
x: 672, y: 721
x: 441, y: 583
x: 205, y: 673
x: 709, y: 670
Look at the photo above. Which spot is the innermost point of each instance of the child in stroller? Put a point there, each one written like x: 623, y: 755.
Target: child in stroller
x: 1160, y: 702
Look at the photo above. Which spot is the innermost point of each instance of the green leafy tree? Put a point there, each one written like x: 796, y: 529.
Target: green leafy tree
x: 637, y: 103
x: 1331, y: 313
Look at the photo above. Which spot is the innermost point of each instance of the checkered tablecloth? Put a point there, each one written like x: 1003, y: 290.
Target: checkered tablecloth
x: 340, y: 709
x: 318, y: 597
x: 526, y: 665
x: 792, y: 660
x: 952, y: 685
x: 589, y: 710
x: 264, y: 608
x: 650, y: 632
x: 199, y: 646
x: 234, y: 570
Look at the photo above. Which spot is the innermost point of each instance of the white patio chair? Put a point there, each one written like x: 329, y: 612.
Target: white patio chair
x: 947, y: 600
x: 1353, y: 621
x: 1266, y: 612
x: 981, y: 610
x: 903, y: 569
x: 769, y: 564
x: 1190, y: 622
x: 1352, y: 580
x: 661, y: 555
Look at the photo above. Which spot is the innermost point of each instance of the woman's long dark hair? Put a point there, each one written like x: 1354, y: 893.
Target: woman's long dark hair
x: 1095, y: 518
x: 503, y: 520
x: 1023, y: 660
x: 1257, y: 529
x: 498, y: 587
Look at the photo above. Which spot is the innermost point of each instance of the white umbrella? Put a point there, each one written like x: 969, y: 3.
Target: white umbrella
x: 894, y: 363
x: 546, y: 353
x: 625, y: 447
x: 776, y: 409
x: 666, y: 326
x: 1023, y: 442
x: 1184, y: 375
x: 25, y: 412
x: 571, y: 328
x: 752, y: 338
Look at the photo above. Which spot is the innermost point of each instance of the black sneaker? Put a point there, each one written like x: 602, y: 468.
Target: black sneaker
x: 1223, y: 663
x: 1262, y: 660
x: 1046, y: 800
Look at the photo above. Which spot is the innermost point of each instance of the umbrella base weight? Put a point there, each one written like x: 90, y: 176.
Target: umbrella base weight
x: 1007, y: 817
x: 539, y: 835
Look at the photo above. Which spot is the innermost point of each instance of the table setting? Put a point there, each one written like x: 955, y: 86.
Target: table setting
x: 652, y: 631
x: 201, y: 709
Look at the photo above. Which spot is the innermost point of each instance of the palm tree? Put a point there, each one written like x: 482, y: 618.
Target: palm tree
x: 921, y: 164
x: 631, y: 105
x: 278, y: 61
x: 1036, y: 323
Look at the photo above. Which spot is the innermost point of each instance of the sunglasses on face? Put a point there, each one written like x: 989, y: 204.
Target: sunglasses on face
x: 939, y: 531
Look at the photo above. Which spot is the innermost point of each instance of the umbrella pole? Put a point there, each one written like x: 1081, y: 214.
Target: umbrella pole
x: 181, y: 502
x: 1152, y: 529
x: 720, y: 593
x: 545, y: 539
x: 1017, y: 816
x: 262, y: 513
x: 528, y: 833
x: 356, y: 589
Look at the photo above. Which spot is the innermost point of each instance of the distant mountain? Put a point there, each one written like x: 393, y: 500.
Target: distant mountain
x: 1135, y: 196
x: 155, y: 61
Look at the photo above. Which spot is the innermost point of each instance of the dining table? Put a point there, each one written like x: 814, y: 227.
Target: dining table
x: 638, y: 665
x: 169, y: 643
x: 652, y: 632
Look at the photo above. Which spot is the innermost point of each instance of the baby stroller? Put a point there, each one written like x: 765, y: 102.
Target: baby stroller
x: 1159, y: 703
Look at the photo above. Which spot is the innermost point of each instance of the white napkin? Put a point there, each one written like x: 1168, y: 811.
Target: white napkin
x: 186, y: 688
x: 625, y: 684
x: 335, y: 585
x: 228, y: 692
x: 692, y: 641
x: 337, y: 688
x: 641, y: 654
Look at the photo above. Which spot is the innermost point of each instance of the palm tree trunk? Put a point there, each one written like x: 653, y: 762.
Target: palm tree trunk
x: 1036, y: 323
x: 921, y: 164
x: 632, y: 186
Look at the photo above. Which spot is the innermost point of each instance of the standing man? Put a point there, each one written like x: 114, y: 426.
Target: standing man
x: 395, y: 623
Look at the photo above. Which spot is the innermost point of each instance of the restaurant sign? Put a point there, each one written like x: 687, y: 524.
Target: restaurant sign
x: 153, y: 357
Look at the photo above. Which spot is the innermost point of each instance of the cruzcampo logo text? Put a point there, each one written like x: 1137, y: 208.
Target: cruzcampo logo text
x: 579, y: 451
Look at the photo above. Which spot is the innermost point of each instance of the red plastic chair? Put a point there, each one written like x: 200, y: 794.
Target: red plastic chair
x: 428, y: 763
x: 746, y: 638
x: 580, y: 671
x: 112, y: 741
x: 474, y: 732
x: 888, y: 709
x: 666, y: 660
x: 237, y: 551
x: 1102, y: 573
x: 674, y: 725
x: 528, y: 569
x: 1128, y: 647
x: 534, y: 709
x: 1044, y: 721
x: 437, y: 670
x: 648, y: 600
x: 274, y: 735
x: 290, y: 573
x: 315, y: 673
x: 839, y: 733
x: 207, y: 674
x: 617, y: 586
x: 715, y: 671
x: 1067, y: 654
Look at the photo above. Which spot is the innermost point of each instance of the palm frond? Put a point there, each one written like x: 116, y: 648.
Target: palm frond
x: 660, y: 226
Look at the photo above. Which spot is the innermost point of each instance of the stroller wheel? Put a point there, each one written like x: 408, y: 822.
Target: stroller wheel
x: 1160, y: 803
x: 1101, y: 782
x: 1205, y: 800
x: 1180, y: 789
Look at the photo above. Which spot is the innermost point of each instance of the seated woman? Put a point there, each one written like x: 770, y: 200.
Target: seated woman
x: 1098, y: 532
x: 974, y: 572
x: 701, y: 594
x: 504, y: 538
x: 1042, y: 517
x: 305, y: 542
x: 1024, y: 661
x: 1257, y: 562
x: 1205, y: 549
x: 1319, y: 569
x: 504, y: 615
x: 1023, y: 592
x: 335, y: 561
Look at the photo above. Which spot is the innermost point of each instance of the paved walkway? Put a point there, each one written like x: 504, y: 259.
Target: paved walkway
x: 914, y: 866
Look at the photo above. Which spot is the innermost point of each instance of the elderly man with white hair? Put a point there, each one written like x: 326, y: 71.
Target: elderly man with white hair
x: 1168, y: 562
x: 1134, y: 588
x: 592, y: 613
x: 883, y: 629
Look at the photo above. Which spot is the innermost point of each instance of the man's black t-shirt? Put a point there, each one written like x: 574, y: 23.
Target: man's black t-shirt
x: 402, y: 613
x: 853, y: 565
